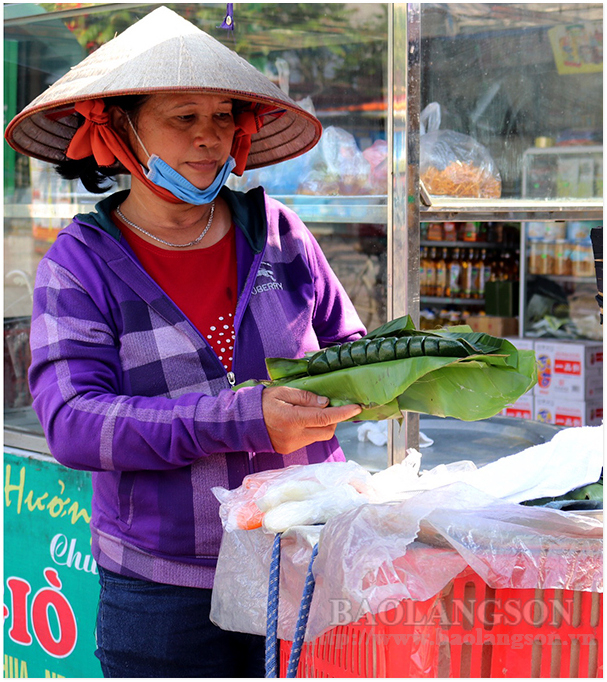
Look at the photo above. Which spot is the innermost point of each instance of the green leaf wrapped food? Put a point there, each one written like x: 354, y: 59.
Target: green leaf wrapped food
x: 450, y: 372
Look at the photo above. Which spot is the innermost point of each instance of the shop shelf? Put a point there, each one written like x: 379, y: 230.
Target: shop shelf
x: 443, y: 300
x: 465, y: 245
x: 357, y: 209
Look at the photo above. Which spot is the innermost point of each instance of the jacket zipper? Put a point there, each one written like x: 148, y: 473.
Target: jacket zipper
x: 246, y: 294
x: 242, y: 303
x: 240, y: 306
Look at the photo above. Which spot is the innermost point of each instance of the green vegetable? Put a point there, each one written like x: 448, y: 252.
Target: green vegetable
x: 592, y: 491
x: 451, y: 372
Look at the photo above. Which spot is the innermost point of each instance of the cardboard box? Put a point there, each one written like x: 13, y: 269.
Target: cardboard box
x: 568, y: 412
x: 572, y: 370
x: 523, y: 408
x: 495, y: 326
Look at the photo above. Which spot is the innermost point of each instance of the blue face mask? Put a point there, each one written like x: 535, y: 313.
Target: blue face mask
x: 161, y: 174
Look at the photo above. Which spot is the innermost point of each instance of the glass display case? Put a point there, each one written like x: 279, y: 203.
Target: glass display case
x: 559, y: 285
x: 387, y: 81
x: 512, y: 101
x: 331, y: 58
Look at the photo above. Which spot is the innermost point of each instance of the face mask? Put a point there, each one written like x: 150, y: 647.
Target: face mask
x: 161, y: 174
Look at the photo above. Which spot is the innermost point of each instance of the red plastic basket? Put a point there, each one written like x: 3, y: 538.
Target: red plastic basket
x: 468, y: 630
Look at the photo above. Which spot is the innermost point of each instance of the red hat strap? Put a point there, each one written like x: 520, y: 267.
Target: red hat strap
x: 95, y: 137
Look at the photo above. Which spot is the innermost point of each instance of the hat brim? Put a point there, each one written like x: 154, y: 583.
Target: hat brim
x: 162, y: 53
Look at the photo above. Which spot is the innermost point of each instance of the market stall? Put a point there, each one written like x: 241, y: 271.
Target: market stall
x: 376, y: 76
x: 438, y: 573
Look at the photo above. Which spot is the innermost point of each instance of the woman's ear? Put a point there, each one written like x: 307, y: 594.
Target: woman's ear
x: 119, y: 122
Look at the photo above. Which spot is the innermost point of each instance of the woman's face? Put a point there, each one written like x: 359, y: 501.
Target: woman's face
x: 192, y: 132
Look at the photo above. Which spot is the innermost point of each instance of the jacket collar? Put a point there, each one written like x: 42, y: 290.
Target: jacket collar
x: 248, y: 212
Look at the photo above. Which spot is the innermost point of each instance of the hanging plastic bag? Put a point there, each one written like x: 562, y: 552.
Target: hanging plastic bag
x: 455, y: 164
x: 337, y: 166
x: 377, y: 156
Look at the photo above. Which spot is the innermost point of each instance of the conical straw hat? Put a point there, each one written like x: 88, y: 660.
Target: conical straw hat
x: 162, y: 52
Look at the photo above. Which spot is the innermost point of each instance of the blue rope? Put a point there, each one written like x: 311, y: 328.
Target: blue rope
x: 272, y: 614
x: 302, y: 618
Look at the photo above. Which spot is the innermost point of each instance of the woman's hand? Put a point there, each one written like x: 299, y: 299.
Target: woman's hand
x: 296, y: 418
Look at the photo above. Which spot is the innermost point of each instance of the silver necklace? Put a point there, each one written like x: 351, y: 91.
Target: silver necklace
x: 162, y: 241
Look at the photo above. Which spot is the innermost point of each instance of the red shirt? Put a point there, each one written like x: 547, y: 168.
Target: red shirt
x: 203, y: 283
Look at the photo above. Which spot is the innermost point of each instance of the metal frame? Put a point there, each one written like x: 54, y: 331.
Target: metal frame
x: 404, y: 74
x: 444, y: 209
x: 25, y: 440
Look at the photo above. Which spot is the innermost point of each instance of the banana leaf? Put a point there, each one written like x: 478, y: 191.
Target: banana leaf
x: 479, y: 386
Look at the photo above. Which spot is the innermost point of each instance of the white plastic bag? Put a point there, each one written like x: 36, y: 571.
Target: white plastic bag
x: 316, y: 509
x: 337, y: 166
x: 293, y: 496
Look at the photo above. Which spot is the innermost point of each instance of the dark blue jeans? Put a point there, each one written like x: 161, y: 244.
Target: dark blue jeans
x: 147, y: 629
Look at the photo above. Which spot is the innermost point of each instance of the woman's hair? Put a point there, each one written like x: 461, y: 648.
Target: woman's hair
x: 95, y: 177
x: 87, y: 170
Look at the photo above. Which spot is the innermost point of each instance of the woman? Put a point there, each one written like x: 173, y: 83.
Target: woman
x: 149, y: 309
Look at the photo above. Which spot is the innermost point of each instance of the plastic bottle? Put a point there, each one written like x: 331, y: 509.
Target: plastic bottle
x: 485, y: 255
x: 478, y: 285
x: 471, y: 232
x: 466, y: 276
x: 435, y: 232
x: 442, y: 274
x: 482, y: 273
x: 432, y: 272
x: 450, y: 231
x: 423, y: 272
x: 455, y: 269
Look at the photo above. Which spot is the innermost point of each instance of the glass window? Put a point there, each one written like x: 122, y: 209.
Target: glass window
x: 515, y: 100
x: 330, y: 57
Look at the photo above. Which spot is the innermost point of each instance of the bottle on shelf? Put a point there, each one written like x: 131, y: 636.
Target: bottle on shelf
x: 535, y: 266
x: 455, y: 268
x: 471, y: 232
x: 450, y: 231
x: 472, y: 277
x: 431, y: 273
x: 495, y: 270
x: 435, y: 232
x: 423, y: 256
x: 486, y: 276
x: 508, y: 267
x: 582, y: 259
x: 562, y: 257
x: 491, y: 232
x: 479, y: 273
x: 482, y: 232
x: 442, y: 273
x: 466, y: 274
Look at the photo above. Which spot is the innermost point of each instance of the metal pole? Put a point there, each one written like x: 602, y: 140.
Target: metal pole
x: 403, y: 189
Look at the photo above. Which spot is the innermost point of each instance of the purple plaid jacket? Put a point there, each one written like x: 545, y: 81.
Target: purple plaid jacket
x: 127, y: 388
